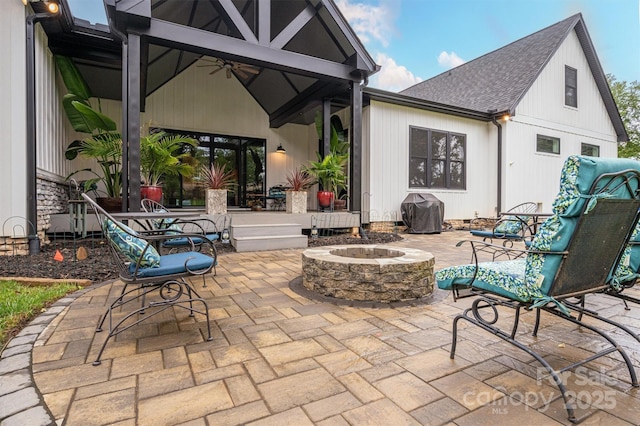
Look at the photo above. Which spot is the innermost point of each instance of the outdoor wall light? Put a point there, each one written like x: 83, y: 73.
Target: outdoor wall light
x: 52, y: 6
x: 280, y: 149
x: 506, y: 117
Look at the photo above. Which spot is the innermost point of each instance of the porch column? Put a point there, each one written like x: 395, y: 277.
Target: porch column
x: 355, y: 148
x: 325, y: 141
x: 132, y: 132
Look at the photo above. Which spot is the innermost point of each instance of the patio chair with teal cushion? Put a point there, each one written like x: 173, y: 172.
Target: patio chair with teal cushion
x: 576, y: 251
x: 205, y: 227
x: 513, y: 225
x: 157, y: 281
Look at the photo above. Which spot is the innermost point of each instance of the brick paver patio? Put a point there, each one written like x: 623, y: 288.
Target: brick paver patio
x: 278, y: 358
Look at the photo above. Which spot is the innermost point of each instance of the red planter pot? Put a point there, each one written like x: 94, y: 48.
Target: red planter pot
x: 151, y: 192
x: 324, y: 199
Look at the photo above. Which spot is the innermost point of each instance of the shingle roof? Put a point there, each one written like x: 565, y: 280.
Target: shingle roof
x: 497, y: 81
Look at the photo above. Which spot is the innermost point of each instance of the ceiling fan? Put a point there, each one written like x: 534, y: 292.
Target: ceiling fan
x: 243, y: 70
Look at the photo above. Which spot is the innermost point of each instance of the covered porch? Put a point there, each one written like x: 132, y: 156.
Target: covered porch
x: 249, y: 77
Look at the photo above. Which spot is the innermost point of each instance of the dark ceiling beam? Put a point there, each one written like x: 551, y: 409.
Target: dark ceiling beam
x: 206, y: 43
x: 87, y: 54
x: 311, y: 97
x: 264, y: 22
x: 367, y: 61
x: 293, y: 28
x: 237, y: 19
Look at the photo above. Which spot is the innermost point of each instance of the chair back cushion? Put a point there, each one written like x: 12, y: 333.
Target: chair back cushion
x: 576, y: 181
x: 124, y: 239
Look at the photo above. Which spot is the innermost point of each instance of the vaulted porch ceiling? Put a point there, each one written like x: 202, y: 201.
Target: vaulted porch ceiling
x: 303, y: 50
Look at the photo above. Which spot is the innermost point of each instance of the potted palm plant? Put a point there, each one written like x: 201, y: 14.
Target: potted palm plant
x: 219, y: 181
x: 330, y: 174
x: 162, y: 155
x: 331, y: 171
x: 106, y: 149
x: 299, y: 181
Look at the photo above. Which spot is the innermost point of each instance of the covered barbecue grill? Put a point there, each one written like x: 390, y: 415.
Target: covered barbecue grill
x: 422, y: 213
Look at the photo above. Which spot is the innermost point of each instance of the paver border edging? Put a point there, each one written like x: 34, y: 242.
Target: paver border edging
x: 19, y: 391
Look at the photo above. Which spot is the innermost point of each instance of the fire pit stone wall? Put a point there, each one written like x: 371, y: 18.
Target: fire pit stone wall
x: 367, y: 272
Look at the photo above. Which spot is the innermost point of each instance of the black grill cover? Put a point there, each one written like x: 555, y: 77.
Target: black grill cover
x: 422, y: 213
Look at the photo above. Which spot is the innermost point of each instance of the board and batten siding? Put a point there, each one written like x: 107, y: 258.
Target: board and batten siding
x: 197, y: 101
x: 52, y: 129
x: 534, y: 176
x: 387, y: 152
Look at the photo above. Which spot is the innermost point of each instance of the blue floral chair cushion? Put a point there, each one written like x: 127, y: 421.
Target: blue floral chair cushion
x: 511, y: 225
x: 534, y: 283
x: 133, y: 248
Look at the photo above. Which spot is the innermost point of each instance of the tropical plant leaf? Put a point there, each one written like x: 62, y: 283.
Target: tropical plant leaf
x: 76, y: 118
x: 95, y: 119
x: 73, y: 150
x: 72, y: 78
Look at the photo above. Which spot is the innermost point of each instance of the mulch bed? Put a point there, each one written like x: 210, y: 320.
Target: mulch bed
x: 98, y: 266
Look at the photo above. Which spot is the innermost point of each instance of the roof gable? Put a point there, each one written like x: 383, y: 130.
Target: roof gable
x: 497, y: 82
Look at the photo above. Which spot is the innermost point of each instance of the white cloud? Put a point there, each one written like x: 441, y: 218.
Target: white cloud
x: 392, y: 77
x: 369, y: 22
x: 450, y: 60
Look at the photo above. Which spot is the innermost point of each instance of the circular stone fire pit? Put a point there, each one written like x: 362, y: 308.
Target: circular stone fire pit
x: 368, y: 272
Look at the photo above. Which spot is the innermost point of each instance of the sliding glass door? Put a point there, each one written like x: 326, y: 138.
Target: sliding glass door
x: 245, y: 157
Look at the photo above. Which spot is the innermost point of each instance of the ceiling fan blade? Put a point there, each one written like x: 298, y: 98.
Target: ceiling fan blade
x: 241, y: 73
x: 215, y: 71
x: 250, y: 70
x: 215, y: 61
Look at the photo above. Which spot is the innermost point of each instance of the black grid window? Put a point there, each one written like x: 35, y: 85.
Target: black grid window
x: 571, y: 87
x: 548, y: 144
x: 590, y: 150
x: 436, y: 159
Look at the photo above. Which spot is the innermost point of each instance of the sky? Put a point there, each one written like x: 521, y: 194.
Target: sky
x: 414, y: 40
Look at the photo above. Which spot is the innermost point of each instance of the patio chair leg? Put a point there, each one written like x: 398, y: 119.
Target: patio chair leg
x: 476, y: 318
x: 614, y: 345
x: 169, y: 300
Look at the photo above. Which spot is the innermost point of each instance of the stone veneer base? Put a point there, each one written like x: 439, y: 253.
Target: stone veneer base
x: 369, y: 276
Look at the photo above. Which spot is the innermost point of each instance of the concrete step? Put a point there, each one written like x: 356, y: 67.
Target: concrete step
x: 265, y: 230
x: 271, y: 242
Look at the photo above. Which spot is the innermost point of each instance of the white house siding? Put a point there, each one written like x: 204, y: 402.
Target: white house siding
x: 198, y: 101
x: 533, y: 176
x: 51, y: 130
x: 12, y: 111
x: 388, y: 156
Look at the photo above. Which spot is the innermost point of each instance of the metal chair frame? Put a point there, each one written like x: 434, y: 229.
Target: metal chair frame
x: 593, y: 254
x: 520, y: 215
x: 173, y: 288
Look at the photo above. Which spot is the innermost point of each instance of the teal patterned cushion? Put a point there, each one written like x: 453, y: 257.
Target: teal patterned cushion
x: 130, y: 246
x: 577, y: 177
x: 166, y: 223
x: 505, y: 278
x: 511, y: 225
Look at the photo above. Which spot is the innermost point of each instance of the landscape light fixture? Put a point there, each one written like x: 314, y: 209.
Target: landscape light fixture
x: 280, y: 149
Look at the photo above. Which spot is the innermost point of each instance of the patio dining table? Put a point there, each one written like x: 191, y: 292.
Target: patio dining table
x: 164, y: 219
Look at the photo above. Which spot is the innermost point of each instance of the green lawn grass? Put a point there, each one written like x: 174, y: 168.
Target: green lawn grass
x: 20, y: 303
